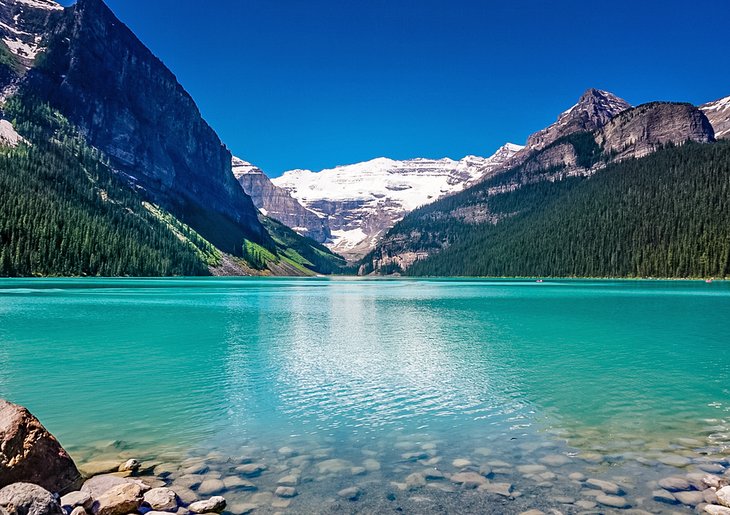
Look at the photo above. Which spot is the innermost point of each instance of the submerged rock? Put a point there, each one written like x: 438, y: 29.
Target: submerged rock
x: 29, y: 453
x: 351, y: 494
x: 469, y: 479
x: 286, y: 491
x: 613, y: 501
x: 28, y: 499
x: 130, y: 466
x: 605, y: 486
x: 674, y: 484
x: 98, y: 485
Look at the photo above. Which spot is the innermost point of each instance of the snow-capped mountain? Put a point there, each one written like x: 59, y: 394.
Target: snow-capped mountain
x: 362, y: 201
x: 718, y: 112
x: 27, y: 22
x: 277, y: 203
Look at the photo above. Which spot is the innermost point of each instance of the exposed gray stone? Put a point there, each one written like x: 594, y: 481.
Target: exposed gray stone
x: 213, y: 505
x: 78, y: 498
x: 28, y: 499
x: 161, y: 499
x: 469, y: 479
x: 118, y: 500
x: 674, y: 484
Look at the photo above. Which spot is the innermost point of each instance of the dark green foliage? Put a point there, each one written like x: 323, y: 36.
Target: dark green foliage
x: 303, y: 251
x: 666, y: 215
x: 63, y: 212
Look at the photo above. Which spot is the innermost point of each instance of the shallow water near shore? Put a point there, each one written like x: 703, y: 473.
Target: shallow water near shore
x: 528, y: 383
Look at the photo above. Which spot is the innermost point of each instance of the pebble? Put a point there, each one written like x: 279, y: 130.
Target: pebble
x: 532, y: 512
x: 585, y: 504
x: 186, y: 495
x: 189, y: 481
x: 415, y: 480
x: 664, y: 496
x: 287, y: 452
x: 577, y: 476
x: 712, y: 468
x: 237, y: 483
x: 351, y: 494
x: 613, y: 501
x: 606, y: 487
x: 213, y: 505
x: 242, y: 508
x: 371, y: 465
x: 531, y: 469
x: 461, y: 463
x: 130, y: 465
x: 118, y: 500
x: 334, y: 466
x: 469, y: 479
x: 690, y: 498
x: 281, y: 503
x: 251, y: 469
x: 674, y: 484
x: 674, y: 460
x: 286, y: 491
x: 211, y: 487
x: 290, y: 480
x: 358, y: 471
x: 503, y: 489
x: 555, y: 460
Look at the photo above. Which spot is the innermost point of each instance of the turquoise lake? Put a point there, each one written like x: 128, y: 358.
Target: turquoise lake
x: 626, y: 380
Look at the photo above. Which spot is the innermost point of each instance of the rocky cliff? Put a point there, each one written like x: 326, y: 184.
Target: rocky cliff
x: 277, y: 203
x: 642, y: 130
x: 131, y: 106
x: 718, y: 112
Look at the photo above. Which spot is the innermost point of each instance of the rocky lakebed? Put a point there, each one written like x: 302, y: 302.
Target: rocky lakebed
x: 562, y: 474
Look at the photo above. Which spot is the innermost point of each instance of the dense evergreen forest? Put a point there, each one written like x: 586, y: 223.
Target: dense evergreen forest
x: 62, y: 211
x: 665, y: 215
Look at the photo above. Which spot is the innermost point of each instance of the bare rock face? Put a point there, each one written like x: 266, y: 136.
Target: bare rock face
x: 277, y: 203
x: 28, y: 499
x: 718, y: 112
x: 30, y: 454
x: 593, y: 110
x: 642, y: 130
x: 131, y: 106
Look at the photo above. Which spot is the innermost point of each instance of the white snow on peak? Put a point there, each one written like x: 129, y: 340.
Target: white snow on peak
x: 241, y: 167
x: 718, y: 112
x: 717, y: 105
x: 41, y: 4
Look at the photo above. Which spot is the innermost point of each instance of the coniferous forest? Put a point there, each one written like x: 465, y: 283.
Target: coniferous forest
x: 665, y: 215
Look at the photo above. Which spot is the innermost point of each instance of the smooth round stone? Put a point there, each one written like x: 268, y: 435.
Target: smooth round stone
x: 715, y: 509
x: 585, y: 504
x: 564, y: 499
x: 674, y: 460
x: 606, y: 487
x: 498, y: 464
x: 211, y: 487
x: 28, y: 499
x: 290, y: 480
x: 251, y: 469
x: 74, y: 499
x: 351, y: 494
x: 613, y: 501
x: 664, y: 496
x: 674, y: 484
x: 242, y: 508
x: 237, y: 483
x: 723, y: 496
x: 591, y: 457
x: 461, y: 463
x: 358, y: 471
x: 287, y: 452
x: 469, y: 479
x: 161, y: 499
x: 371, y: 465
x: 712, y: 468
x: 334, y: 466
x: 119, y: 500
x: 690, y: 498
x: 164, y: 470
x: 186, y: 495
x: 130, y: 465
x: 577, y: 476
x: 555, y: 460
x: 532, y: 512
x: 189, y: 481
x: 213, y: 505
x: 503, y: 489
x: 415, y: 480
x: 286, y: 491
x: 428, y: 446
x: 280, y: 504
x: 531, y: 469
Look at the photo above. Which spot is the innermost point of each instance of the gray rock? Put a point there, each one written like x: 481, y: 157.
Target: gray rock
x: 78, y: 510
x: 614, y: 501
x: 28, y: 499
x: 251, y: 469
x: 664, y: 496
x: 74, y: 499
x: 351, y: 494
x: 118, y: 500
x: 371, y: 465
x: 606, y: 487
x: 286, y: 491
x: 469, y: 479
x: 433, y: 474
x: 503, y: 489
x: 674, y: 484
x: 290, y: 480
x: 690, y: 498
x: 189, y: 481
x: 723, y: 496
x: 98, y: 485
x: 130, y: 466
x: 531, y: 469
x: 186, y: 495
x: 555, y: 460
x: 161, y: 499
x: 213, y: 505
x: 242, y: 508
x: 714, y: 509
x: 30, y: 454
x: 675, y: 460
x: 415, y: 481
x: 461, y: 463
x: 334, y: 466
x: 237, y: 483
x: 211, y: 487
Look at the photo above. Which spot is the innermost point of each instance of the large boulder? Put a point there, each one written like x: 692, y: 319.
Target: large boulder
x: 118, y: 500
x: 28, y: 499
x: 30, y: 454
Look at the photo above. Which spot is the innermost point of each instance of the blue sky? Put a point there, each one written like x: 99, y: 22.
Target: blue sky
x: 317, y: 83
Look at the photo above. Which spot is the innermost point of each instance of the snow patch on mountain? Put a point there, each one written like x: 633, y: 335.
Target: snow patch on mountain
x: 362, y: 201
x: 718, y: 112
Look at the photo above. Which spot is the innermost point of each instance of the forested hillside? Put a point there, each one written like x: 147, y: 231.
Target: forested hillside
x: 666, y: 215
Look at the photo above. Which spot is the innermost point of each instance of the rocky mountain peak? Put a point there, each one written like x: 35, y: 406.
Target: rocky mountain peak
x: 593, y: 110
x: 718, y: 113
x: 23, y: 25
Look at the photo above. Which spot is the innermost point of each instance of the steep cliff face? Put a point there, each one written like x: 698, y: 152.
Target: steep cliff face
x: 640, y: 131
x: 277, y: 203
x: 131, y: 106
x: 718, y: 112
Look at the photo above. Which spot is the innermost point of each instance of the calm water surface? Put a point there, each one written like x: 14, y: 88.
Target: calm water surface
x: 617, y: 376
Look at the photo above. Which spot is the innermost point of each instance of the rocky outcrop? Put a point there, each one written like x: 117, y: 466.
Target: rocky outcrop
x: 29, y: 453
x: 642, y: 130
x: 131, y: 106
x: 277, y: 203
x: 24, y: 25
x: 593, y: 110
x: 718, y: 112
x: 28, y: 499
